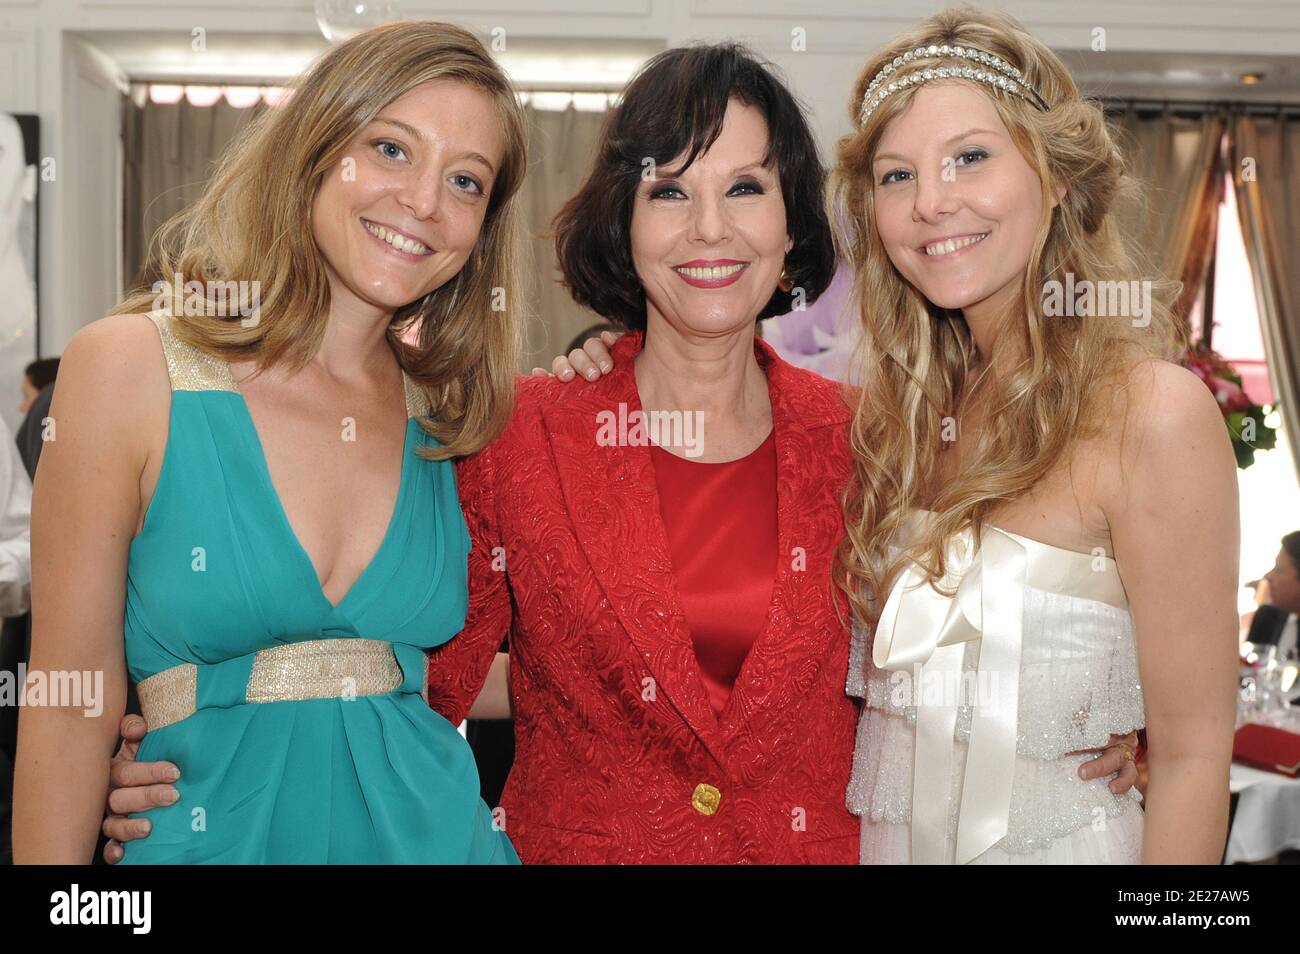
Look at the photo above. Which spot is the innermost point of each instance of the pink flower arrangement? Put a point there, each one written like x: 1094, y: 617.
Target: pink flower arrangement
x: 1244, y: 418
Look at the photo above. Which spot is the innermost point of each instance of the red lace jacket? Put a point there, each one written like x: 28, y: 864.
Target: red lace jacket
x: 618, y: 755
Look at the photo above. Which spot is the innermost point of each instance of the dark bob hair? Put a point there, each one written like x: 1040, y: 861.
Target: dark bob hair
x: 673, y: 108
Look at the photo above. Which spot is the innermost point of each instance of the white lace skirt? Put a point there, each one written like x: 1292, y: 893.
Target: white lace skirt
x: 1120, y: 843
x: 1057, y: 818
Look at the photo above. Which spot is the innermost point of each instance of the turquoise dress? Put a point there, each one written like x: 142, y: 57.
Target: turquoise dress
x: 217, y: 574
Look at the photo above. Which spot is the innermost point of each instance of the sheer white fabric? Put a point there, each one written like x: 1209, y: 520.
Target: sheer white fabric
x: 1078, y: 683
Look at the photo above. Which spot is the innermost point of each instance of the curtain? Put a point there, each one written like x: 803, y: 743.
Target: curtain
x: 169, y: 151
x: 561, y: 149
x: 1266, y: 178
x: 1177, y: 161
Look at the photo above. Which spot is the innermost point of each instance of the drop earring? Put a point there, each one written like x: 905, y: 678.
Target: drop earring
x: 784, y: 282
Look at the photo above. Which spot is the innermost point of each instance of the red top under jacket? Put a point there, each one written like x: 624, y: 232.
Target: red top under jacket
x: 721, y: 525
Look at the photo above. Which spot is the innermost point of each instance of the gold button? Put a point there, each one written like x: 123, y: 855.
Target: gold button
x: 706, y: 799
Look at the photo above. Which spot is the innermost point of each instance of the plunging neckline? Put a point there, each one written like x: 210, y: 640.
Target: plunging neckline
x: 277, y: 503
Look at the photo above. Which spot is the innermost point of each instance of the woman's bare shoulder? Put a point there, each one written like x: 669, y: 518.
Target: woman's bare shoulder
x: 113, y: 370
x: 1164, y: 425
x: 117, y: 335
x: 116, y: 345
x: 1158, y: 396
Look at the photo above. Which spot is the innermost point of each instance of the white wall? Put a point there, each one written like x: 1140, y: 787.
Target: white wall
x: 89, y: 169
x: 43, y: 70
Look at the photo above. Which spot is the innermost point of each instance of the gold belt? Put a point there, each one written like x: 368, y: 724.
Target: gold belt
x: 314, y: 669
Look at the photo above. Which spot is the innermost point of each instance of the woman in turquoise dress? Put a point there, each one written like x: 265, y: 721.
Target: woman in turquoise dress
x: 233, y: 535
x: 370, y: 775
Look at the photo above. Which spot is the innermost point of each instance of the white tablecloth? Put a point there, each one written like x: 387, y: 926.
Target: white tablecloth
x: 1267, y: 821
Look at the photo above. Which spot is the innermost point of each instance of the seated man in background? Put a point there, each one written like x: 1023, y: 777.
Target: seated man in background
x: 1284, y: 599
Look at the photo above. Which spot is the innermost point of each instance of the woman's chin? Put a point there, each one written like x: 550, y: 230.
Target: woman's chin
x: 952, y: 299
x: 716, y: 324
x: 388, y: 297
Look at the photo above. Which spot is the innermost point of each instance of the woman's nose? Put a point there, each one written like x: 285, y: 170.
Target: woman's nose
x: 936, y: 196
x: 423, y: 197
x: 710, y: 222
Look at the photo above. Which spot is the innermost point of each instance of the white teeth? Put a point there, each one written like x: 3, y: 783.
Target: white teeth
x: 718, y: 271
x: 951, y: 245
x: 397, y: 241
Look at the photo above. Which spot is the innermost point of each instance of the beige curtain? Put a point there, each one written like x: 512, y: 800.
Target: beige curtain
x: 1177, y: 161
x: 563, y: 144
x: 1266, y: 176
x: 169, y: 152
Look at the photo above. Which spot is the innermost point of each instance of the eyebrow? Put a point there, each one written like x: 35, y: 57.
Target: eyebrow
x: 420, y: 137
x: 961, y: 135
x: 747, y: 167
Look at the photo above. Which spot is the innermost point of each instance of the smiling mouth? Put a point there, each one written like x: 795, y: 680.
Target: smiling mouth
x: 948, y: 246
x: 711, y: 276
x: 399, y: 241
x: 711, y: 273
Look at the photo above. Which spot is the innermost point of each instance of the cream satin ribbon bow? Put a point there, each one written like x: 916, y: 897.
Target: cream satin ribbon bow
x: 919, y: 626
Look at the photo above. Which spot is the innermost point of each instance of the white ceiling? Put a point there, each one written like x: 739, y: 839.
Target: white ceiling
x: 1188, y: 76
x: 583, y: 64
x: 263, y: 57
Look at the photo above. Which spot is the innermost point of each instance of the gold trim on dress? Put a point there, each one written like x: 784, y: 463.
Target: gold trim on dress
x: 313, y: 669
x: 169, y: 696
x: 188, y: 368
x: 417, y: 402
x: 323, y: 669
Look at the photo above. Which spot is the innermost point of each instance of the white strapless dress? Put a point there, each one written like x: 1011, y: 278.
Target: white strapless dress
x: 974, y: 700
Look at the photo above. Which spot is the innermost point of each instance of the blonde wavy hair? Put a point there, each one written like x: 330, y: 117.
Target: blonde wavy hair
x: 253, y: 223
x: 916, y: 359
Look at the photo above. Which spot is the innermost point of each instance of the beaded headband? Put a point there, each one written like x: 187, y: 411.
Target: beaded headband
x: 1002, y: 76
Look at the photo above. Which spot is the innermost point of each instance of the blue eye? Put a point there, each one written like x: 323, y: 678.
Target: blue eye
x: 892, y: 176
x: 467, y: 183
x: 664, y: 191
x: 970, y: 156
x: 386, y: 145
x: 747, y: 187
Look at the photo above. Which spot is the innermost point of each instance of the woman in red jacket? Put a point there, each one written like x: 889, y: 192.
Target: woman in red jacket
x: 658, y: 542
x: 677, y: 666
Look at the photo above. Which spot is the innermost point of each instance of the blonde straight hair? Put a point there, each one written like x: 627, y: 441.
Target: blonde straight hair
x: 915, y: 359
x: 253, y: 223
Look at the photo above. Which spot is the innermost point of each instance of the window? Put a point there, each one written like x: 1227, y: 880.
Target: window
x: 1270, y: 499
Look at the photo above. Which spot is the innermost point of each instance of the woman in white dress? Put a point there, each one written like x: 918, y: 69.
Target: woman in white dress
x: 1042, y: 524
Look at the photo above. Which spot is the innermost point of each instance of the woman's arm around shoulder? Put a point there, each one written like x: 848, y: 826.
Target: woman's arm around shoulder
x: 459, y: 669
